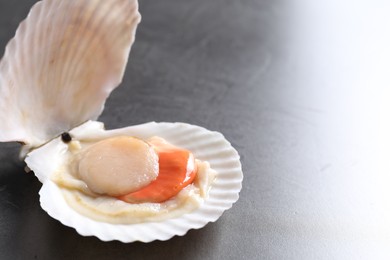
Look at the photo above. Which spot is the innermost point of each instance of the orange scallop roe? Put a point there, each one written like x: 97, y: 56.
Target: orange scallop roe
x: 177, y: 169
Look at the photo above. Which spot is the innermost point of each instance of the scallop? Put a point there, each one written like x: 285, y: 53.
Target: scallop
x: 139, y: 183
x: 118, y: 166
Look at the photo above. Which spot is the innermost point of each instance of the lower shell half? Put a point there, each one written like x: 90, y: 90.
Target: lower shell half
x: 207, y: 146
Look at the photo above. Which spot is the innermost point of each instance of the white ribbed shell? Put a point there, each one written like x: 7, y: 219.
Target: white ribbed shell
x: 63, y: 62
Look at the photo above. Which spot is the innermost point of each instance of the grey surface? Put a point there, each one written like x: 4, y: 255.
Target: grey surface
x: 300, y: 90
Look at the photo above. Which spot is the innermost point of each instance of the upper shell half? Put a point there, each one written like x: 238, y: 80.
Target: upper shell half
x: 63, y: 62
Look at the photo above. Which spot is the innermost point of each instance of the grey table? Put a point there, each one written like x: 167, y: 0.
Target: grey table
x: 300, y: 88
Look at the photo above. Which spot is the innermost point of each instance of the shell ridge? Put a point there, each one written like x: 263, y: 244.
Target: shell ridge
x: 45, y: 74
x: 74, y: 10
x: 35, y: 66
x: 71, y: 62
x: 76, y: 64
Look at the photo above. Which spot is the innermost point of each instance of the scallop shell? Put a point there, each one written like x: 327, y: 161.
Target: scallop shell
x: 56, y: 73
x: 63, y: 62
x: 206, y: 145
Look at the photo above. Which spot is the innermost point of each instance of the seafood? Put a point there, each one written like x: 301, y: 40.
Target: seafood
x: 138, y: 183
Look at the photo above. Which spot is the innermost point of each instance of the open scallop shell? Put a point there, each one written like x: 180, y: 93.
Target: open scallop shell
x: 63, y: 62
x: 56, y: 73
x: 206, y: 145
